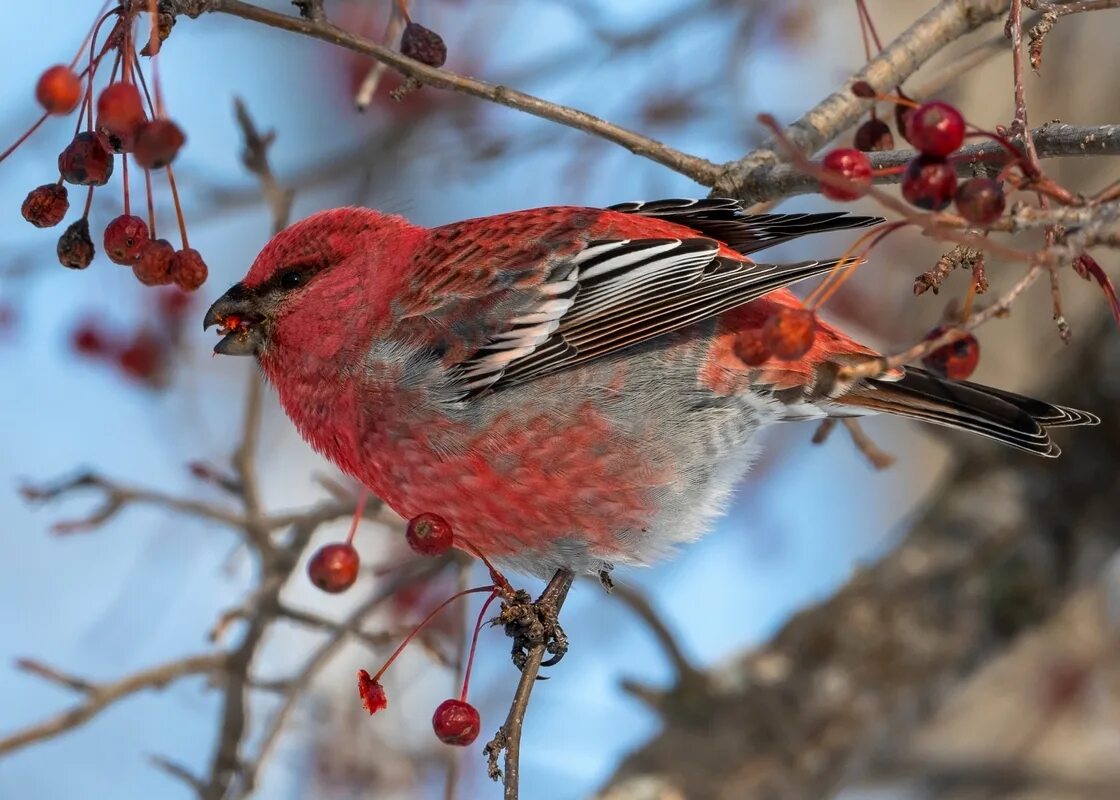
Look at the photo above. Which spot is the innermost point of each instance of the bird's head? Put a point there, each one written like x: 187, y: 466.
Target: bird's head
x: 314, y: 285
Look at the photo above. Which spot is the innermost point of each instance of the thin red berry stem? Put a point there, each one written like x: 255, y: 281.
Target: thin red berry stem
x: 359, y: 511
x: 25, y: 136
x: 151, y: 204
x: 836, y: 283
x: 403, y: 8
x: 474, y: 645
x: 496, y: 576
x: 426, y: 620
x: 870, y: 23
x: 153, y: 35
x: 884, y: 171
x: 124, y: 180
x: 178, y: 207
x: 102, y: 15
x: 89, y: 201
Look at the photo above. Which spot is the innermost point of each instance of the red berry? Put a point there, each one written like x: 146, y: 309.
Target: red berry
x: 153, y: 267
x: 956, y: 360
x: 188, y: 269
x: 334, y: 567
x: 372, y: 693
x: 424, y: 45
x: 120, y: 111
x: 789, y: 332
x: 935, y: 128
x: 86, y: 161
x: 144, y: 358
x: 125, y: 238
x: 750, y: 347
x: 59, y: 90
x: 88, y: 339
x: 456, y: 722
x: 46, y: 205
x: 874, y: 135
x: 157, y: 143
x: 429, y: 535
x: 75, y: 247
x: 980, y: 200
x: 848, y: 163
x: 929, y: 182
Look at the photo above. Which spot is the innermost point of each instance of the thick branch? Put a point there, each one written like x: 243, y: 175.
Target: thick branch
x: 949, y: 20
x: 774, y: 181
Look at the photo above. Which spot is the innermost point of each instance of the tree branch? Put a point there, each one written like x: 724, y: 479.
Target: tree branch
x: 746, y: 178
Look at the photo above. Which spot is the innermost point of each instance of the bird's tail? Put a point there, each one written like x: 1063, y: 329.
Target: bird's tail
x: 1013, y: 419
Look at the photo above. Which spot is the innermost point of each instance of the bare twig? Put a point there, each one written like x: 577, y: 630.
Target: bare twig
x: 99, y: 696
x: 508, y: 737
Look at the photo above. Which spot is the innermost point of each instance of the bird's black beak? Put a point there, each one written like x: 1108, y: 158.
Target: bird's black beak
x: 240, y: 323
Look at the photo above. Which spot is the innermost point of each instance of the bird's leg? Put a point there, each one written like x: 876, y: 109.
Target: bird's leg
x: 532, y: 624
x: 605, y: 576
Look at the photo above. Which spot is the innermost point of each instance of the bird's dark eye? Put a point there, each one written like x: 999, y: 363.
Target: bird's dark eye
x: 291, y: 279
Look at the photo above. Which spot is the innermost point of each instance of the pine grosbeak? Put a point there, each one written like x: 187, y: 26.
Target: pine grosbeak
x: 563, y: 384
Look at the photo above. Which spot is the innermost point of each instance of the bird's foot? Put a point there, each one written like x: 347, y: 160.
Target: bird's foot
x: 536, y: 623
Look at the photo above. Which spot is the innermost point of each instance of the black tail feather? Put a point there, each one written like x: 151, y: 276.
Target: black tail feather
x: 1010, y: 418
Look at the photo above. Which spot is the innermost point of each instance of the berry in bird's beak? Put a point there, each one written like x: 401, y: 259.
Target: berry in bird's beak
x: 238, y: 325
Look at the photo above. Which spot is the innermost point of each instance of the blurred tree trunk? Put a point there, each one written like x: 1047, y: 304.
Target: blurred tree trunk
x: 997, y: 549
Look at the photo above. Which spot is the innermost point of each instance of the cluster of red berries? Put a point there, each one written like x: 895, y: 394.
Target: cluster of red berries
x: 144, y: 354
x: 334, y: 568
x: 929, y: 181
x: 129, y: 122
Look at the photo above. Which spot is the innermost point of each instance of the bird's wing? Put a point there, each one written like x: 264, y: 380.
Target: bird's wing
x: 541, y: 300
x: 725, y: 219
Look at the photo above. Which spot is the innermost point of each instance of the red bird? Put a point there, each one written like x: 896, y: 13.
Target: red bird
x: 563, y: 384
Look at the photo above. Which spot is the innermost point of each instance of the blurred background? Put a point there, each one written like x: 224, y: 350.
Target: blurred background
x: 148, y: 586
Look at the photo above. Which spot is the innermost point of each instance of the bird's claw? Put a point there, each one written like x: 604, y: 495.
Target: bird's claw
x: 533, y: 624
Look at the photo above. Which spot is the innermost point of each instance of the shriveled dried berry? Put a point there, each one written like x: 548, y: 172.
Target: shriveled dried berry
x: 423, y: 44
x: 935, y: 128
x: 120, y: 110
x: 59, y: 90
x: 334, y: 567
x: 153, y: 268
x: 188, y: 269
x: 851, y: 164
x: 86, y: 161
x: 429, y: 534
x: 956, y: 360
x: 873, y: 136
x: 790, y: 332
x: 372, y: 693
x: 46, y: 205
x: 980, y: 200
x: 125, y: 238
x: 456, y: 722
x: 157, y: 143
x: 929, y: 182
x: 75, y: 247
